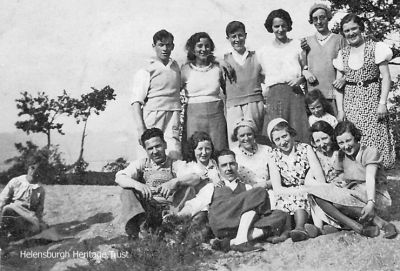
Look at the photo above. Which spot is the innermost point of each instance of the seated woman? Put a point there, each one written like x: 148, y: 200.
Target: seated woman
x: 364, y: 192
x: 294, y: 165
x: 22, y: 204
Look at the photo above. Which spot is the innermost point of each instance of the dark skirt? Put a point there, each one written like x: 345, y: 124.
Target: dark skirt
x: 283, y: 101
x: 208, y: 117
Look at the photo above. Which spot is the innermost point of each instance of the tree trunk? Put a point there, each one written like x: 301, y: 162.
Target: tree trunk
x: 82, y: 142
x: 48, y: 139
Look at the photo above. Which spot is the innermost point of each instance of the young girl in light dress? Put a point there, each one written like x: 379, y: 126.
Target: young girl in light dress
x: 318, y: 108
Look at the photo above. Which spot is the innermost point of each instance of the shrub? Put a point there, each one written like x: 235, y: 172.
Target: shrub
x: 116, y: 165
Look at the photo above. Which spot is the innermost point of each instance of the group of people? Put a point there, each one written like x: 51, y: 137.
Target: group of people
x: 290, y: 141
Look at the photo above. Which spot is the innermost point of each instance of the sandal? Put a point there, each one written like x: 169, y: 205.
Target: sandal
x: 298, y: 235
x: 370, y: 231
x: 390, y: 231
x: 311, y: 230
x: 246, y: 247
x: 279, y: 239
x: 328, y: 229
x: 223, y: 245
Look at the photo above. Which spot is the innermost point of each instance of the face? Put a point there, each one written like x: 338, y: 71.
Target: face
x: 238, y: 40
x: 347, y: 143
x: 352, y: 33
x: 202, y: 49
x: 203, y: 152
x: 320, y: 20
x: 245, y: 137
x: 163, y: 49
x: 279, y: 28
x: 322, y: 141
x: 155, y: 148
x: 228, y: 167
x: 283, y: 140
x: 32, y: 170
x: 316, y: 109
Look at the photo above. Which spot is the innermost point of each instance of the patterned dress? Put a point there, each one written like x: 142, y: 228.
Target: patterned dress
x: 293, y: 174
x: 361, y: 103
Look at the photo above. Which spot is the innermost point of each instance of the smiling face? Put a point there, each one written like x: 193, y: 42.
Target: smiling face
x: 228, y: 167
x: 202, y: 50
x: 316, y: 109
x: 320, y: 20
x: 283, y: 140
x: 323, y: 142
x: 163, y: 49
x: 203, y: 152
x: 155, y: 148
x: 245, y: 136
x: 280, y: 29
x: 347, y: 143
x: 238, y: 40
x: 352, y: 33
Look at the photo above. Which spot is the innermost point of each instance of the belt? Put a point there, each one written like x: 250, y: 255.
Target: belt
x: 362, y: 83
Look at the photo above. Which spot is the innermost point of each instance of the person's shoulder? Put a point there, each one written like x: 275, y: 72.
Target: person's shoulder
x: 265, y: 148
x: 369, y: 155
x: 17, y: 180
x: 185, y: 67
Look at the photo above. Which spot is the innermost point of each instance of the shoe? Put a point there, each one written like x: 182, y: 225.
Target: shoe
x: 390, y: 231
x: 246, y: 247
x: 279, y: 239
x: 223, y: 245
x: 311, y: 230
x: 328, y: 229
x: 370, y: 231
x: 298, y: 235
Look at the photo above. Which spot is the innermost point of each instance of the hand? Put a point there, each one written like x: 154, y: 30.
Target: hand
x: 341, y: 116
x: 140, y: 131
x: 382, y: 111
x: 304, y: 45
x: 296, y: 82
x: 168, y: 188
x: 228, y: 70
x: 339, y: 83
x: 309, y: 77
x: 144, y: 189
x: 219, y: 183
x: 368, y: 212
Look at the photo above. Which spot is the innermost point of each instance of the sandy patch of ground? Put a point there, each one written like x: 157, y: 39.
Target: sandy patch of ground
x: 89, y: 214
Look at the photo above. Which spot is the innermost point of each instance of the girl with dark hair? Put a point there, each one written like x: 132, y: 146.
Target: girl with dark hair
x: 364, y: 194
x: 203, y: 80
x: 318, y: 108
x: 364, y: 73
x: 281, y: 64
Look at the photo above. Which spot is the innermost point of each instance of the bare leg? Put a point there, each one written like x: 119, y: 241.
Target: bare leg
x: 300, y: 218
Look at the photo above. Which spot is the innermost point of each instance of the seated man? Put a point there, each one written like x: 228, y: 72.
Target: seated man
x: 148, y: 185
x: 237, y: 212
x: 22, y: 203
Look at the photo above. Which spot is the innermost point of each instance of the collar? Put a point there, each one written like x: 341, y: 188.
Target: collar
x: 165, y: 164
x: 156, y: 60
x: 238, y: 57
x: 32, y: 185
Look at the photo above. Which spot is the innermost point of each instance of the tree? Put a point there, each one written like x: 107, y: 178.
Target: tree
x: 42, y: 113
x: 382, y: 18
x: 92, y: 102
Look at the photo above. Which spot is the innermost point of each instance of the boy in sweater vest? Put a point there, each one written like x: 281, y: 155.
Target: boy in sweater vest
x: 322, y: 48
x: 244, y: 98
x: 156, y: 94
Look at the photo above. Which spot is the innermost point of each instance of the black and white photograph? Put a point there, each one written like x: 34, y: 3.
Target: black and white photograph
x: 199, y: 135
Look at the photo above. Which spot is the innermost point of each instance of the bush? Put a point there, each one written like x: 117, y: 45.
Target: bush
x: 116, y: 166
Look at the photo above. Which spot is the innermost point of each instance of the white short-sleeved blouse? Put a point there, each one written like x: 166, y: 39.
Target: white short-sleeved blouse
x: 356, y: 58
x: 280, y: 62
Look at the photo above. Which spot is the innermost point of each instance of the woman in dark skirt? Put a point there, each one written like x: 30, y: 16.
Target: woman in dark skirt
x: 202, y: 80
x: 281, y: 64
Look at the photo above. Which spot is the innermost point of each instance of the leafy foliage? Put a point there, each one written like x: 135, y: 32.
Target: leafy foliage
x: 382, y: 17
x: 119, y: 164
x: 42, y: 113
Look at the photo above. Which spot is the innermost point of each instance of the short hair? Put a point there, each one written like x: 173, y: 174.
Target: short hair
x: 316, y: 7
x: 224, y: 152
x: 191, y: 43
x: 234, y: 26
x: 283, y: 126
x: 351, y: 17
x: 150, y: 133
x: 194, y: 141
x: 316, y: 95
x: 39, y: 157
x: 323, y: 126
x: 235, y: 132
x: 161, y: 35
x: 281, y: 14
x: 348, y: 126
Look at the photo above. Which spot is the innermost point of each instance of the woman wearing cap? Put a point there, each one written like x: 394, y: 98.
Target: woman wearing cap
x: 294, y: 164
x: 280, y: 60
x: 363, y: 64
x: 323, y: 47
